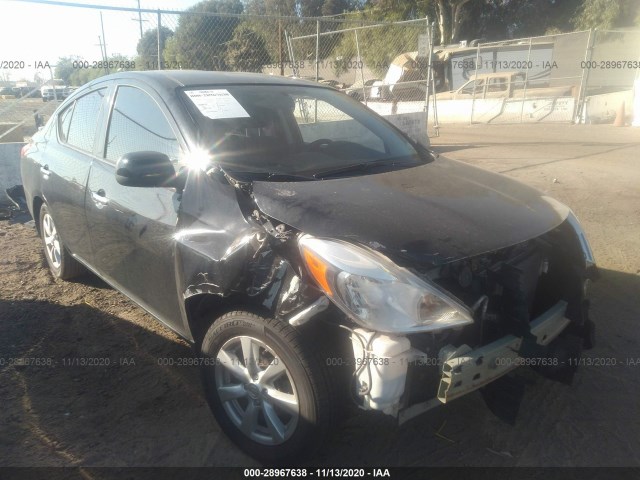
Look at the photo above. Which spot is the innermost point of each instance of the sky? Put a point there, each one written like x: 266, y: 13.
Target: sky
x: 38, y: 33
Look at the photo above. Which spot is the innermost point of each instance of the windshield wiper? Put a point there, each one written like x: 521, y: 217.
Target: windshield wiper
x: 361, y: 167
x: 273, y: 177
x: 288, y: 177
x: 277, y: 177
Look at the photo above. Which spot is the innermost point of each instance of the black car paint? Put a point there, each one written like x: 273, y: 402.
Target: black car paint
x: 219, y: 238
x: 430, y: 214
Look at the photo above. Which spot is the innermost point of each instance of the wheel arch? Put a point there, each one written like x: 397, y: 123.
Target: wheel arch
x: 36, y: 206
x: 203, y: 309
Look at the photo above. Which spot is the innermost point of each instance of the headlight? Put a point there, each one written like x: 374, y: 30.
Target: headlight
x: 567, y: 213
x: 377, y: 293
x: 589, y: 260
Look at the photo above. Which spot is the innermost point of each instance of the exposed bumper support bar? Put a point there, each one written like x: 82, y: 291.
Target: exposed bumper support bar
x: 474, y: 369
x: 465, y: 370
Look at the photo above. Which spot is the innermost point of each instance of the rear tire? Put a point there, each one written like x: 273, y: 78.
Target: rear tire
x: 61, y: 264
x: 267, y: 389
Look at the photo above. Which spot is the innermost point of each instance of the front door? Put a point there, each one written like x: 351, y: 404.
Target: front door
x: 132, y: 228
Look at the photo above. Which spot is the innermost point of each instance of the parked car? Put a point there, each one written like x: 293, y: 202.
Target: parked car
x: 59, y: 92
x: 356, y: 90
x: 334, y: 84
x: 312, y: 256
x: 504, y: 85
x: 7, y: 93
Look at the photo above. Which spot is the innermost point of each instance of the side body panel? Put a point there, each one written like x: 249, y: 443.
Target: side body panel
x: 132, y: 236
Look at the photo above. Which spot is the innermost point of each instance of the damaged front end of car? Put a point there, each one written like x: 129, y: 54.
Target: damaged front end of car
x: 423, y: 328
x: 530, y: 307
x: 476, y: 320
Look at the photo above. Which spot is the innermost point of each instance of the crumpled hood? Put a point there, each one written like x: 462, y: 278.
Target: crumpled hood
x: 429, y: 215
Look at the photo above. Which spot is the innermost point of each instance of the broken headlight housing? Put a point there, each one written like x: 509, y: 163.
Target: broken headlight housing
x: 375, y: 292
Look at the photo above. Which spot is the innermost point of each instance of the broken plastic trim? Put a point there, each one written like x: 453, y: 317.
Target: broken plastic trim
x: 306, y: 314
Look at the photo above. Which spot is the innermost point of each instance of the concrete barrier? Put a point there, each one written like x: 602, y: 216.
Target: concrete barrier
x: 603, y: 108
x: 9, y: 168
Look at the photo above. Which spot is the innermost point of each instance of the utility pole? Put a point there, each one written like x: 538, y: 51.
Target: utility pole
x: 104, y: 45
x: 99, y: 44
x: 140, y: 19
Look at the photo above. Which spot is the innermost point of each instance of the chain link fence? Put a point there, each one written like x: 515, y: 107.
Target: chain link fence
x: 393, y: 67
x: 524, y: 80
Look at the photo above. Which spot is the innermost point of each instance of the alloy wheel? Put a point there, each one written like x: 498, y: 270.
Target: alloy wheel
x: 256, y: 390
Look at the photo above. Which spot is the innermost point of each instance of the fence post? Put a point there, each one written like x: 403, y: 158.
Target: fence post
x: 473, y: 100
x: 53, y: 84
x: 158, y: 35
x: 526, y: 81
x: 317, y: 48
x: 578, y: 109
x: 436, y: 124
x: 426, y: 94
x: 280, y: 47
x: 364, y: 90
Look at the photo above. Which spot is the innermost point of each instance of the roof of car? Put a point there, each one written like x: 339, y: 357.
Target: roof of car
x: 171, y: 79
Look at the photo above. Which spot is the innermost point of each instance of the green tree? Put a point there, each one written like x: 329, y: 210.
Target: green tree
x: 607, y: 14
x: 272, y: 30
x: 148, y: 47
x: 247, y: 50
x: 82, y: 73
x: 503, y: 19
x: 65, y: 68
x: 200, y: 40
x: 449, y: 15
x: 334, y: 7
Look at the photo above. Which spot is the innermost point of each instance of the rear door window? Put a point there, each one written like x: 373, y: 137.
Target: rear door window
x: 83, y: 121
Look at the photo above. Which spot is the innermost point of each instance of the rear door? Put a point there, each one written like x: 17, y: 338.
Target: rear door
x: 131, y: 227
x: 65, y: 167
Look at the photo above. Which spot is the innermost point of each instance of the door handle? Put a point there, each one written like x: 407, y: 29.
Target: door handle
x: 45, y: 171
x: 99, y: 197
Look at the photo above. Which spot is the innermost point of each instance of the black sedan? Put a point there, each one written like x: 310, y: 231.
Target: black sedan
x: 313, y: 254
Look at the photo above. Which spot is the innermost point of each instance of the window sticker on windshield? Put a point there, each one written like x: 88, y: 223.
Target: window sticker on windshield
x: 216, y: 104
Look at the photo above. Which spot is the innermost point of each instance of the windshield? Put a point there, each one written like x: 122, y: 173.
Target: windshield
x: 297, y: 131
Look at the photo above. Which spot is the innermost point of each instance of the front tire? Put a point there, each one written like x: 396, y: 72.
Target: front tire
x: 266, y: 388
x: 61, y: 264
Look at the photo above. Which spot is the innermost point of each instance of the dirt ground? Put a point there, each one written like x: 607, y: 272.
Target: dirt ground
x: 14, y: 111
x: 137, y: 412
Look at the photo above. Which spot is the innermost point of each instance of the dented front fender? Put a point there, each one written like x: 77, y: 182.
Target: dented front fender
x: 226, y: 248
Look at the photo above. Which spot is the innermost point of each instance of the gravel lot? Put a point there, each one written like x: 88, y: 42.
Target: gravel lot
x: 16, y: 110
x: 145, y: 414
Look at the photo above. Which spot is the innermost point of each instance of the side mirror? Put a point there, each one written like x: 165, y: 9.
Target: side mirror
x: 145, y: 169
